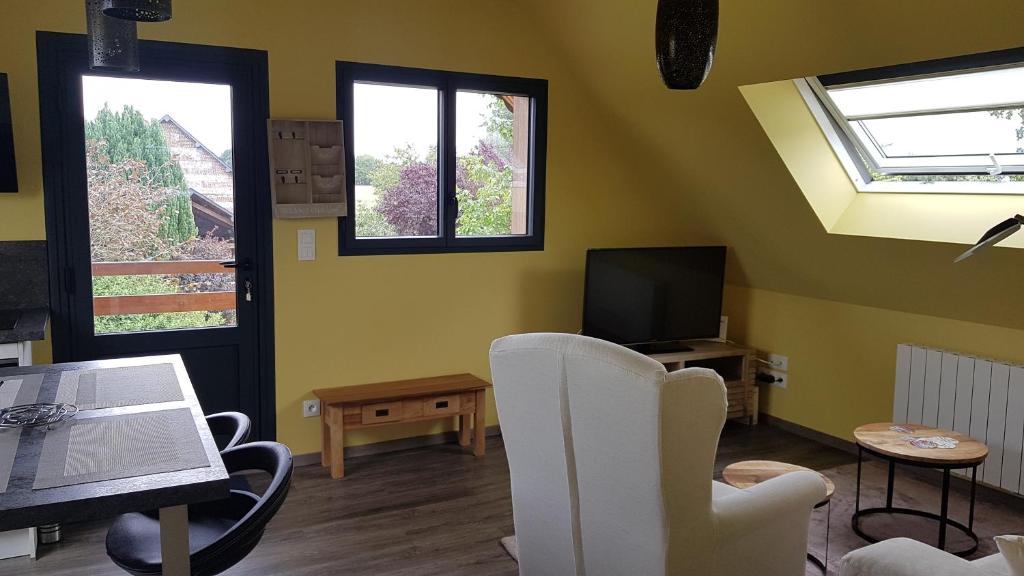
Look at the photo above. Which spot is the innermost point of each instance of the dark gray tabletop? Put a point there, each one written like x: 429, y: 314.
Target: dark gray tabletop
x: 23, y: 507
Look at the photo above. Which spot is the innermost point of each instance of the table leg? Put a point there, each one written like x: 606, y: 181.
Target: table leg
x: 174, y: 541
x: 860, y: 459
x: 944, y: 514
x: 480, y: 423
x: 336, y: 420
x: 974, y: 489
x: 828, y: 528
x: 464, y: 430
x: 325, y: 439
x: 892, y: 480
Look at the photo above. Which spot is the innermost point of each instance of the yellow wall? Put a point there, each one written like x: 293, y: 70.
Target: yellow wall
x: 820, y: 298
x: 843, y: 356
x: 681, y: 166
x: 343, y: 321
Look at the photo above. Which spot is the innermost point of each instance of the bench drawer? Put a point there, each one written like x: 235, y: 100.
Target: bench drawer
x: 441, y: 405
x: 382, y: 412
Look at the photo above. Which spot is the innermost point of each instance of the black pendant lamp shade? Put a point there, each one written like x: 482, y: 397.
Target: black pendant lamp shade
x: 685, y: 38
x: 138, y: 10
x: 113, y: 43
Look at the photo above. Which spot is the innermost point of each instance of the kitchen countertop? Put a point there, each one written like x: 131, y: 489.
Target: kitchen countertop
x: 31, y: 326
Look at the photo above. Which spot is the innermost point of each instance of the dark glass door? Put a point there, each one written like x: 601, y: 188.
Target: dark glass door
x: 158, y: 214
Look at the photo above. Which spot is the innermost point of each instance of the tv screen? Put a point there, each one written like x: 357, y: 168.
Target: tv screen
x: 650, y: 295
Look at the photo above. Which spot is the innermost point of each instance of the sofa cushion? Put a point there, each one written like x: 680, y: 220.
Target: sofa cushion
x: 1011, y: 550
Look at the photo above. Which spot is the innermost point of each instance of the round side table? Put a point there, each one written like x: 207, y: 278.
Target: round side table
x: 889, y: 442
x: 749, y: 473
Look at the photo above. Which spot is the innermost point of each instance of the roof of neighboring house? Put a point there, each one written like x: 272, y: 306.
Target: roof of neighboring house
x: 212, y: 210
x: 167, y: 118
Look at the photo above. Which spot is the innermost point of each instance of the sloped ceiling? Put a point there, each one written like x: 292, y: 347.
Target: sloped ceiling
x: 724, y: 180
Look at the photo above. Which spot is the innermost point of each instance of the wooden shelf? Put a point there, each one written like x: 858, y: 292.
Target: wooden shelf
x: 307, y: 168
x: 735, y: 364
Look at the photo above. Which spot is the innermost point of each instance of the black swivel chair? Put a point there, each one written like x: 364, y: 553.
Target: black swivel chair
x: 221, y: 533
x: 233, y: 425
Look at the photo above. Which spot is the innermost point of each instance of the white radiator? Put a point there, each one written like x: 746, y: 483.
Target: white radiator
x: 976, y: 396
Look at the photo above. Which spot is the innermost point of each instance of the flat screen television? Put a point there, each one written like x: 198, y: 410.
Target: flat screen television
x: 651, y: 299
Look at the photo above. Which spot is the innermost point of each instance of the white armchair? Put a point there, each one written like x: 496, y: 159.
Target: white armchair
x: 611, y: 460
x: 906, y: 557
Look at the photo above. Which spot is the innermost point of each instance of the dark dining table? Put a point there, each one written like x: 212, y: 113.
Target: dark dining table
x: 56, y: 476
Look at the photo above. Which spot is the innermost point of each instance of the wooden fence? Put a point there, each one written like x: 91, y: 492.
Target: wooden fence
x: 158, y: 303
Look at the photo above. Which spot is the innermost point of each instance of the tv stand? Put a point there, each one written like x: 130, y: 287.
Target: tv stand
x: 661, y: 347
x: 736, y: 365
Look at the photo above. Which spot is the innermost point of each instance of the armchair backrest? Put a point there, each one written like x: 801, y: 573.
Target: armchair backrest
x: 530, y: 392
x: 594, y: 434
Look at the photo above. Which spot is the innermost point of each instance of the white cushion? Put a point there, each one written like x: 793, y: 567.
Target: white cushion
x: 1012, y: 549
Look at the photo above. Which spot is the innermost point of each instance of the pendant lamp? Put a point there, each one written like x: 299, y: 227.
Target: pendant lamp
x: 685, y: 37
x: 113, y: 43
x: 138, y: 10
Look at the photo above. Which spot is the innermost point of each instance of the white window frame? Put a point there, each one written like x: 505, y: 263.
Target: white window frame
x: 850, y: 143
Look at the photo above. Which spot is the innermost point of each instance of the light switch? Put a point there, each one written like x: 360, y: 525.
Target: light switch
x: 307, y: 245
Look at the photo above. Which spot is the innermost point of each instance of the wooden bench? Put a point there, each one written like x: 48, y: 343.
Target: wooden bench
x: 384, y: 403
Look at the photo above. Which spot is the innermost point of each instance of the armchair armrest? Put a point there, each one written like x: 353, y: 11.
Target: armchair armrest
x: 763, y: 529
x: 768, y: 503
x: 904, y: 557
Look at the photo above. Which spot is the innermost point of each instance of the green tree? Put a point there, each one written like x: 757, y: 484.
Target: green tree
x: 365, y: 166
x: 228, y: 157
x: 127, y: 135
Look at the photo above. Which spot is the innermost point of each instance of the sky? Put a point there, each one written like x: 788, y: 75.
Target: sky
x: 387, y: 116
x: 202, y: 109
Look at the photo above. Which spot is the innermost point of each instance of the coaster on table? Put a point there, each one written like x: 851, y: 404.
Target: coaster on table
x: 111, y: 447
x: 123, y: 386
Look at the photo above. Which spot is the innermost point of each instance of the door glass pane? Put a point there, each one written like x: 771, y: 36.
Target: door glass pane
x: 161, y: 203
x: 493, y: 151
x: 395, y: 147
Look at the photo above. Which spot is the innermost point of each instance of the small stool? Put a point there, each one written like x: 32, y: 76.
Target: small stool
x: 749, y: 473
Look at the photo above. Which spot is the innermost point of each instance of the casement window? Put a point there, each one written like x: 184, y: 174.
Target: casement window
x: 958, y: 121
x: 441, y: 161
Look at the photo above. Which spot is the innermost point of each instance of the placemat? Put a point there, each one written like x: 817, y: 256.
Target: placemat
x: 9, y: 439
x: 126, y: 446
x: 124, y: 386
x: 19, y: 390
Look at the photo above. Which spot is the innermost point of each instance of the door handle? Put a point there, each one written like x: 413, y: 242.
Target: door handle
x: 245, y: 265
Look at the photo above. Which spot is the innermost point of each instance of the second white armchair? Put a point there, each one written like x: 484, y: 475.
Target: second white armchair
x: 611, y: 461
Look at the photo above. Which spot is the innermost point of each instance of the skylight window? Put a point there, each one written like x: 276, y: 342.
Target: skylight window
x: 953, y: 120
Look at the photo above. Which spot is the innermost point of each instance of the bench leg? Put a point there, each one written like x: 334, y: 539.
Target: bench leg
x: 336, y: 420
x: 325, y: 439
x: 464, y: 430
x: 480, y: 423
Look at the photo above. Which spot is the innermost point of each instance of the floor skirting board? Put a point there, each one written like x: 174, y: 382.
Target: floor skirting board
x: 451, y: 437
x: 809, y: 433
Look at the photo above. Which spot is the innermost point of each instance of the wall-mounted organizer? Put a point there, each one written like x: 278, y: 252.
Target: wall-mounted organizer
x: 307, y: 168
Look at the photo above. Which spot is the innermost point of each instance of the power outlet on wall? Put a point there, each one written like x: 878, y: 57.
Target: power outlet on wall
x: 773, y: 369
x: 310, y: 408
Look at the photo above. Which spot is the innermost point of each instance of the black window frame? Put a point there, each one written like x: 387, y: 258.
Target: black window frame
x: 448, y: 84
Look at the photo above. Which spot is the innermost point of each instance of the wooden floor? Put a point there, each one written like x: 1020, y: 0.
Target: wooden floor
x: 434, y: 510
